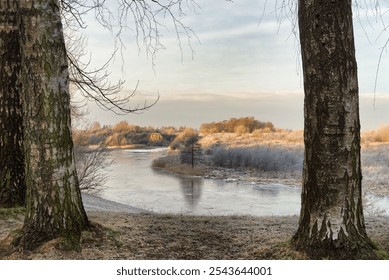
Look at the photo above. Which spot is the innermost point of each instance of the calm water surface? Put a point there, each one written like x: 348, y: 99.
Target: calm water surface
x: 133, y: 182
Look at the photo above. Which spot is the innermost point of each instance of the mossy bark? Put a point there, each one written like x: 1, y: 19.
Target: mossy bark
x: 331, y: 220
x: 12, y: 186
x: 54, y: 204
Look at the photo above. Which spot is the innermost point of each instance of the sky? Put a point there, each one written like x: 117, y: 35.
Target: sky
x: 246, y: 62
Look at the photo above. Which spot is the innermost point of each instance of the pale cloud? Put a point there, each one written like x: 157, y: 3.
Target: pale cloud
x: 242, y: 67
x: 284, y: 109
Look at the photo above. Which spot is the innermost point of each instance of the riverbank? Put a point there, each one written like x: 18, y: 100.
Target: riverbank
x: 374, y: 157
x: 119, y: 235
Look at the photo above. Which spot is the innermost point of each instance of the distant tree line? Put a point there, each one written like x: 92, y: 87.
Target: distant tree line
x: 236, y: 125
x: 123, y: 133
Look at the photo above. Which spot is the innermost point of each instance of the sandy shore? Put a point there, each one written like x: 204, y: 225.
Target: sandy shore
x: 122, y: 232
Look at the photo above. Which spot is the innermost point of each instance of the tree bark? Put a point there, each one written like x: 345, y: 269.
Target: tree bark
x: 54, y: 205
x: 12, y: 186
x: 331, y: 220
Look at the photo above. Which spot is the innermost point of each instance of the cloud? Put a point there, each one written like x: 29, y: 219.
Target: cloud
x: 284, y: 109
x: 241, y: 68
x: 193, y: 109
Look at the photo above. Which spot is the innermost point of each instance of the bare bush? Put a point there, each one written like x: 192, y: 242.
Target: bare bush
x: 91, y: 162
x: 121, y: 127
x: 91, y: 165
x: 240, y: 125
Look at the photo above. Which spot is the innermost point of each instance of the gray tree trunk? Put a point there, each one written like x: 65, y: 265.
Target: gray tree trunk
x: 54, y: 205
x: 331, y: 220
x: 12, y: 186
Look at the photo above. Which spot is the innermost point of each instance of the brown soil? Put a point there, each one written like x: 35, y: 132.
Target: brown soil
x: 155, y: 236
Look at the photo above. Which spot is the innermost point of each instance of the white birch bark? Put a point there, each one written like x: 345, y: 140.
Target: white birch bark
x: 54, y: 205
x: 331, y: 220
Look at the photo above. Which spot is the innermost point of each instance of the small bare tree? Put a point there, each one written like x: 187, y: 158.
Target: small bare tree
x: 187, y: 143
x: 91, y: 165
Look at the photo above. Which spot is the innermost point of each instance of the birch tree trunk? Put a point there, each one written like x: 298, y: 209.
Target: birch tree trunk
x: 12, y: 186
x: 331, y: 221
x: 54, y: 205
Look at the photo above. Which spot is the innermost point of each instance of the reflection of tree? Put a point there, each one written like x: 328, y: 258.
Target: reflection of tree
x: 267, y: 191
x: 191, y: 187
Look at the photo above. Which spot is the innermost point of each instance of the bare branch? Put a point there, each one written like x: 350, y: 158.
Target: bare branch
x: 144, y: 19
x: 95, y: 84
x: 91, y: 164
x: 147, y: 20
x: 373, y: 9
x: 383, y: 50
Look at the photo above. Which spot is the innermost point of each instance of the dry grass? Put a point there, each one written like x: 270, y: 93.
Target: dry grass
x: 283, y: 137
x: 273, y: 156
x: 155, y: 236
x: 380, y: 135
x: 233, y: 140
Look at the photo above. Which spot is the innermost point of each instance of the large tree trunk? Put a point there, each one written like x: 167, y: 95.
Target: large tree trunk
x: 54, y: 205
x: 331, y: 220
x: 12, y: 186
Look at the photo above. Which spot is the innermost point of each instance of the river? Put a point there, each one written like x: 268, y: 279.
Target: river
x: 132, y: 181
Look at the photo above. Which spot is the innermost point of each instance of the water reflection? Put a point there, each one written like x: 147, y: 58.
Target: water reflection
x: 132, y: 182
x: 270, y: 190
x: 191, y: 188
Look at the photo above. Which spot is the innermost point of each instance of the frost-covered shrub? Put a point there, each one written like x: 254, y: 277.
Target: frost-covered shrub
x: 259, y: 157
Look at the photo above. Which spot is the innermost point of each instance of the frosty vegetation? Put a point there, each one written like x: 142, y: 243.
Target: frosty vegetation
x: 236, y: 144
x: 278, y: 159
